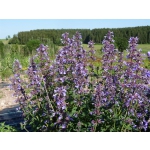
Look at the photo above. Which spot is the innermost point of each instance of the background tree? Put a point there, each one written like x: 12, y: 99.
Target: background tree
x: 14, y: 40
x: 121, y: 44
x: 142, y: 32
x: 32, y: 45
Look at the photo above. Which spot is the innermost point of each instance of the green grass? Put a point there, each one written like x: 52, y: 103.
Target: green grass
x: 96, y: 46
x: 4, y: 41
x: 145, y: 47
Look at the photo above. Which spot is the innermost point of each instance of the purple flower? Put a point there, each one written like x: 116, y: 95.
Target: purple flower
x: 148, y: 73
x: 148, y: 54
x: 128, y: 56
x: 16, y: 84
x: 63, y: 126
x: 35, y: 79
x: 16, y: 66
x: 60, y: 97
x: 91, y: 44
x: 144, y: 124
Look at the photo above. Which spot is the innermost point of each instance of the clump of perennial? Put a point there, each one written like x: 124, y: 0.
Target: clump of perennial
x: 70, y: 74
x: 109, y: 73
x: 71, y: 94
x: 135, y: 84
x: 16, y: 85
x: 122, y: 88
x: 34, y: 78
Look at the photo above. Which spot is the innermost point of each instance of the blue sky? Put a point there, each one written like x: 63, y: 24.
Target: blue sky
x: 13, y: 26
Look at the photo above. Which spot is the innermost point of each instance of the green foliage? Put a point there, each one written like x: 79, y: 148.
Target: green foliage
x: 8, y: 37
x: 14, y: 40
x: 1, y: 49
x: 147, y: 63
x: 12, y: 52
x: 6, y: 128
x: 121, y: 43
x: 32, y: 45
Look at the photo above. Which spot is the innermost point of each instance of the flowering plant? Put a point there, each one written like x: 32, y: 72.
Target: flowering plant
x: 71, y: 94
x: 148, y: 54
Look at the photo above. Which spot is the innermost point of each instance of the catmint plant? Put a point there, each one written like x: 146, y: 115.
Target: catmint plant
x: 70, y: 93
x: 121, y: 93
x: 135, y: 84
x: 17, y: 84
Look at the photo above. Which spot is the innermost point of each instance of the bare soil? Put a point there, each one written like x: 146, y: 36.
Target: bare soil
x: 6, y: 98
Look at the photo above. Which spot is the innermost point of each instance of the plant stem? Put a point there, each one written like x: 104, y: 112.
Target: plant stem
x: 47, y: 94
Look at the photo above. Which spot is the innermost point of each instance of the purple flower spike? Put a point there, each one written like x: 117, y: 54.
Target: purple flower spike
x: 91, y: 44
x: 60, y: 97
x: 17, y: 66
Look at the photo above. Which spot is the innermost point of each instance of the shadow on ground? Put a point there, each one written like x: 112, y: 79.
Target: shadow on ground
x: 9, y: 110
x: 3, y: 84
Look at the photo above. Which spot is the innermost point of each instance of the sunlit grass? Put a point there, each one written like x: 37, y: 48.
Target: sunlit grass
x: 4, y: 41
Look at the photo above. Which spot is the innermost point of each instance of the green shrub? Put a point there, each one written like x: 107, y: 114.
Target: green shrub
x: 121, y: 43
x: 32, y: 45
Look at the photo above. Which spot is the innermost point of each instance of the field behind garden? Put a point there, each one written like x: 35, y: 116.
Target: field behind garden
x: 145, y: 47
x: 4, y: 41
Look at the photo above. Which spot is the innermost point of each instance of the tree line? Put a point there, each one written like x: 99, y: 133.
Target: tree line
x: 97, y: 35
